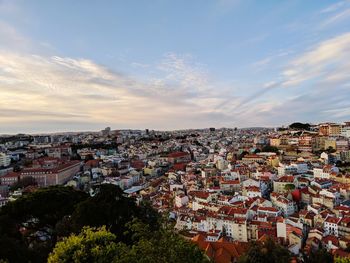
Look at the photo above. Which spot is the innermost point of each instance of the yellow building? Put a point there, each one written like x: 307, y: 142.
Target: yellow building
x: 273, y: 161
x: 318, y: 143
x: 148, y: 171
x: 275, y: 142
x: 330, y: 143
x: 334, y: 129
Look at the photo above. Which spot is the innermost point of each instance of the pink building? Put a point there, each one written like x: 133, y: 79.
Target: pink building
x: 53, y: 175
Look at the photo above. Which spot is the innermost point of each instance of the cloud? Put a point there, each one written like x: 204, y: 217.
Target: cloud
x: 336, y: 18
x: 314, y: 86
x: 9, y: 37
x: 180, y: 94
x: 334, y: 7
x: 41, y: 88
x: 40, y: 92
x: 263, y: 63
x: 319, y: 61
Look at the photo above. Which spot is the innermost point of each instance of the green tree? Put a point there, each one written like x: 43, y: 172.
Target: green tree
x: 257, y: 151
x: 13, y: 250
x: 341, y: 260
x: 269, y: 148
x: 44, y: 207
x: 111, y: 208
x: 300, y: 126
x: 160, y: 246
x: 289, y: 187
x: 91, y: 245
x: 330, y: 149
x: 244, y: 153
x: 266, y: 252
x: 319, y: 256
x: 22, y: 183
x: 30, y: 221
x: 100, y: 245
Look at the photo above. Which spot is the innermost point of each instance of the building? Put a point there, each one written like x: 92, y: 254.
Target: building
x: 5, y: 160
x: 279, y: 185
x: 179, y: 157
x: 305, y: 144
x: 325, y: 172
x: 221, y: 250
x: 345, y: 131
x: 57, y: 174
x: 330, y: 143
x: 9, y: 179
x: 62, y: 151
x: 342, y: 145
x: 286, y: 206
x: 331, y: 225
x: 334, y: 129
x: 181, y: 200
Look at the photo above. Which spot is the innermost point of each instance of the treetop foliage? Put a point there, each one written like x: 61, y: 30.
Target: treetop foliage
x: 300, y: 126
x: 71, y: 226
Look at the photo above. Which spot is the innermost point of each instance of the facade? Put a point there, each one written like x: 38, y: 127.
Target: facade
x: 52, y: 176
x: 5, y: 160
x: 331, y: 225
x: 279, y: 185
x: 9, y: 179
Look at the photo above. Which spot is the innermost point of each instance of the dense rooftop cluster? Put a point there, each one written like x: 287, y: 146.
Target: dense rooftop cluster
x: 221, y: 187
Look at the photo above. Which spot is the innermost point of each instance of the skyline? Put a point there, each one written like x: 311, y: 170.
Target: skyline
x: 166, y: 66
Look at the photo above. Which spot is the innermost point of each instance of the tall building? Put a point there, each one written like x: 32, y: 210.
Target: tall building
x: 5, y: 160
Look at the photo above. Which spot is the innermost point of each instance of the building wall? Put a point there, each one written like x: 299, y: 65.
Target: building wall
x: 5, y: 160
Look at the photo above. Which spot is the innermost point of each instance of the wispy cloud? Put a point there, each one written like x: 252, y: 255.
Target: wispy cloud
x: 264, y: 62
x: 336, y: 18
x: 78, y: 88
x: 40, y: 91
x: 334, y: 7
x: 319, y: 60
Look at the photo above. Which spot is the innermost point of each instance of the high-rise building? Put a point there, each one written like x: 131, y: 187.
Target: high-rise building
x: 5, y: 160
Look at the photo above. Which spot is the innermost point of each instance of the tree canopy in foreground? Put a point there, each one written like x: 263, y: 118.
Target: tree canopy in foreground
x: 71, y: 226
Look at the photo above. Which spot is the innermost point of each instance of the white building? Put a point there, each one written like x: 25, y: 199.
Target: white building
x: 5, y: 160
x: 331, y: 225
x: 286, y: 206
x: 321, y: 173
x: 181, y: 200
x: 345, y: 131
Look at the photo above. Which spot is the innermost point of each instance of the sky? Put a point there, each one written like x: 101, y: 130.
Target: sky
x: 165, y: 65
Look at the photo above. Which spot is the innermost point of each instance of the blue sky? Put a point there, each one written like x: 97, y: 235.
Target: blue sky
x: 84, y: 65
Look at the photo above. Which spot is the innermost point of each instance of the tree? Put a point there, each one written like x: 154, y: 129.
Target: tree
x: 30, y: 221
x: 269, y: 148
x: 341, y: 260
x: 16, y: 168
x: 91, y: 245
x: 111, y: 208
x: 244, y: 153
x: 300, y: 126
x: 100, y: 245
x: 163, y: 245
x: 266, y: 252
x: 330, y: 149
x: 289, y: 187
x: 46, y: 205
x: 89, y: 157
x: 22, y: 183
x: 12, y: 250
x: 31, y: 226
x: 319, y: 256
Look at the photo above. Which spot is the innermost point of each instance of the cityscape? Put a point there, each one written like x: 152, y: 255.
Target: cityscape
x: 220, y: 188
x: 175, y: 131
